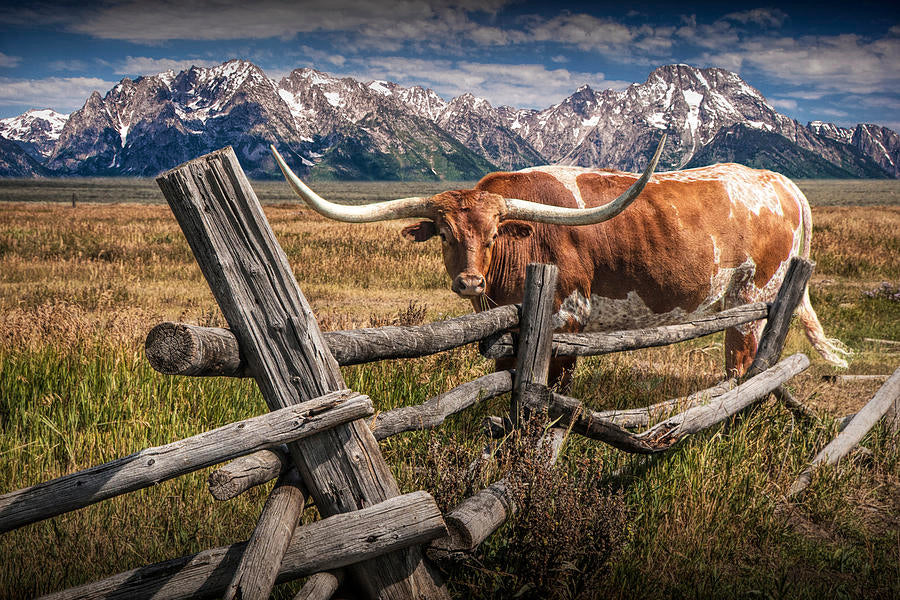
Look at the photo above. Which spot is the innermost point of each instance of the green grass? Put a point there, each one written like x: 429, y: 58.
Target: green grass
x: 80, y: 288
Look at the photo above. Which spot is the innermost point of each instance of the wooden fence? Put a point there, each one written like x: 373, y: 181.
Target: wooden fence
x: 320, y: 439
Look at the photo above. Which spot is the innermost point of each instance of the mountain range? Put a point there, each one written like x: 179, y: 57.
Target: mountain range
x: 342, y: 128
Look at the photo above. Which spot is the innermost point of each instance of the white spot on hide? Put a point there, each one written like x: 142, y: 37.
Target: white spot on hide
x: 566, y: 176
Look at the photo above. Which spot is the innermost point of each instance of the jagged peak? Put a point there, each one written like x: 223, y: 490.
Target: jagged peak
x: 43, y: 113
x: 312, y: 76
x: 469, y: 99
x: 875, y: 126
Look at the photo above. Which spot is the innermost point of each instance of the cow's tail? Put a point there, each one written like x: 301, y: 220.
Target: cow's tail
x: 831, y: 349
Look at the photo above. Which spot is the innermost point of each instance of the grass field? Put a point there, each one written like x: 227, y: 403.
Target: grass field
x: 80, y: 288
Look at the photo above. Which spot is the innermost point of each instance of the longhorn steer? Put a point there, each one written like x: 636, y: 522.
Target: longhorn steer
x: 696, y: 241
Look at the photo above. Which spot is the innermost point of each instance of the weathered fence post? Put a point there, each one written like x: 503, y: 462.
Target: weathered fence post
x: 535, y: 336
x: 478, y: 516
x: 249, y: 274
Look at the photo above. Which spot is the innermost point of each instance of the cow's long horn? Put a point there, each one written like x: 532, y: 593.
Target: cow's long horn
x: 403, y: 208
x: 558, y: 215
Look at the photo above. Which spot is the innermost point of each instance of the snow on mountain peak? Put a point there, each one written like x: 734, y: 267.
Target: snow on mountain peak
x: 38, y: 127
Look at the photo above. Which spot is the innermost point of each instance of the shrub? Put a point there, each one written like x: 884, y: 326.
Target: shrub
x: 886, y: 290
x: 563, y: 534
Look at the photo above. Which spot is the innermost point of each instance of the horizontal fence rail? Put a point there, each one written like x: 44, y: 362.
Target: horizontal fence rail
x: 183, y: 349
x: 154, y: 465
x: 248, y: 471
x: 432, y: 413
x: 333, y: 542
x: 593, y: 344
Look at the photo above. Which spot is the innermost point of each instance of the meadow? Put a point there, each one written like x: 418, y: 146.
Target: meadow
x: 81, y: 287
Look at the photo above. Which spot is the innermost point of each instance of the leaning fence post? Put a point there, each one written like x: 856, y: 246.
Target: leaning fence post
x: 254, y: 286
x: 535, y: 335
x: 256, y: 573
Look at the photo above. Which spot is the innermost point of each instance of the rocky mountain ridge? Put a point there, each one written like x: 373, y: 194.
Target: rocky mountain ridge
x: 341, y: 128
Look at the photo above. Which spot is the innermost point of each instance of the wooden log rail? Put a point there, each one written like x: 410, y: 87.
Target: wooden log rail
x: 242, y: 474
x: 571, y: 412
x: 248, y: 471
x: 256, y: 573
x: 432, y: 413
x: 337, y: 541
x: 154, y: 465
x: 183, y: 349
x: 698, y: 418
x: 593, y: 344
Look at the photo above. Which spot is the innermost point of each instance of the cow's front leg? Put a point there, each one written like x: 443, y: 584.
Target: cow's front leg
x: 559, y: 376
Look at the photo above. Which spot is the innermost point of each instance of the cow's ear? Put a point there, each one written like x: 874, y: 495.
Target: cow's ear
x: 515, y: 229
x: 419, y: 232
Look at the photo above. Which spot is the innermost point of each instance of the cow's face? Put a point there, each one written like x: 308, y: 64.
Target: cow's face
x: 468, y: 223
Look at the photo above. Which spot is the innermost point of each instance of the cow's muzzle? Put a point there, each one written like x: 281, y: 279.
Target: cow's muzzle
x: 468, y: 284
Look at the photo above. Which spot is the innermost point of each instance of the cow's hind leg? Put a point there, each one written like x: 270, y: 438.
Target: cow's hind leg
x: 740, y: 348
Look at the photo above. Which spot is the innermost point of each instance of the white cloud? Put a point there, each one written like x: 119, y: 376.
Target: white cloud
x: 719, y: 34
x: 527, y: 85
x: 783, y: 103
x: 767, y: 17
x: 63, y: 94
x: 839, y: 63
x: 832, y: 112
x: 154, y: 21
x: 321, y: 56
x: 731, y: 61
x: 68, y: 64
x: 807, y: 95
x: 584, y: 31
x: 7, y: 61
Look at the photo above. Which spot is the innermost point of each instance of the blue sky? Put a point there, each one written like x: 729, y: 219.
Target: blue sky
x: 837, y: 62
